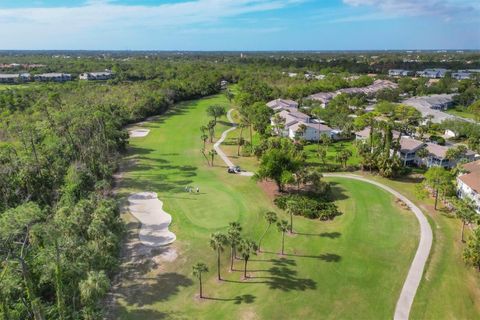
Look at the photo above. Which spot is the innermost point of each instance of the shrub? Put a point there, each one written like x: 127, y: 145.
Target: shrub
x: 309, y: 207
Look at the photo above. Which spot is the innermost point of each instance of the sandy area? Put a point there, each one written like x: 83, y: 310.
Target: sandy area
x: 138, y: 133
x: 147, y: 208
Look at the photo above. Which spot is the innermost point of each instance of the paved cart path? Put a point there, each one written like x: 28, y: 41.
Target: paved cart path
x: 410, y: 286
x: 222, y: 154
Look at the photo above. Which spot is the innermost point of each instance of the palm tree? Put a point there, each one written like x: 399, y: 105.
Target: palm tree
x: 270, y: 217
x: 198, y: 269
x: 205, y: 155
x: 291, y: 209
x: 464, y: 210
x: 247, y: 248
x: 283, y: 227
x: 217, y: 242
x: 234, y: 238
x: 212, y: 154
x: 204, y: 138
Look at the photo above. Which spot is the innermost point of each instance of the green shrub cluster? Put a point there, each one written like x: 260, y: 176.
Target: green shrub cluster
x: 309, y: 207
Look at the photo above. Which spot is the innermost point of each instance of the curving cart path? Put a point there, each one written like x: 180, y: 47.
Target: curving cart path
x: 410, y: 286
x: 415, y: 273
x: 222, y: 154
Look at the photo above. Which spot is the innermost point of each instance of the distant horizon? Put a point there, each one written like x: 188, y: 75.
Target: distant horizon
x: 244, y: 51
x: 239, y: 25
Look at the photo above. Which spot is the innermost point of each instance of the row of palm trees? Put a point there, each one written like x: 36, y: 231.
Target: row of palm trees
x: 245, y: 248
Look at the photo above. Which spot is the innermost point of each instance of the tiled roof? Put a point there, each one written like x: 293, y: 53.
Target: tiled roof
x: 410, y: 144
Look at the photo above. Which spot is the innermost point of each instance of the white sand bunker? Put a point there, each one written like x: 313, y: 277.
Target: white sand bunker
x: 147, y: 208
x: 138, y: 133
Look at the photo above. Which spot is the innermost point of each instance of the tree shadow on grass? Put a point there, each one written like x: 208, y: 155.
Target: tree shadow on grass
x: 144, y: 314
x: 245, y: 298
x: 327, y: 257
x: 331, y: 235
x: 152, y: 290
x: 337, y: 192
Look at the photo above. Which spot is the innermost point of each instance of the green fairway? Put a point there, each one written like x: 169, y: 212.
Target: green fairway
x: 349, y: 268
x: 461, y: 112
x: 449, y: 289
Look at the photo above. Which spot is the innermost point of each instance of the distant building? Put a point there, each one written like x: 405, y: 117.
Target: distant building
x: 104, y: 75
x: 278, y: 105
x: 409, y: 147
x: 323, y: 97
x: 15, y: 78
x: 399, y: 73
x: 468, y: 183
x: 433, y: 73
x: 365, y: 134
x: 9, y: 78
x: 295, y: 124
x: 378, y: 85
x: 54, y: 77
x: 434, y: 101
x: 461, y: 75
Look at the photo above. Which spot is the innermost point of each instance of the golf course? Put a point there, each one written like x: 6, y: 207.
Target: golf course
x: 352, y: 267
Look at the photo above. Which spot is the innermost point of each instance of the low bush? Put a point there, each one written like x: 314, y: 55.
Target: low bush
x: 309, y: 207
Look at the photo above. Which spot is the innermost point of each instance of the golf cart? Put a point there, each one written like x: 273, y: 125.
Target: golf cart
x: 234, y: 169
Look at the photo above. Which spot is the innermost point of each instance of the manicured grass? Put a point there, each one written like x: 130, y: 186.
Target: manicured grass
x: 15, y: 86
x: 449, y: 289
x: 332, y: 151
x: 460, y: 112
x: 349, y: 268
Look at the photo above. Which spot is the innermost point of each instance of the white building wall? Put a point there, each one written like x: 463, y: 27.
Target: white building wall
x: 464, y: 191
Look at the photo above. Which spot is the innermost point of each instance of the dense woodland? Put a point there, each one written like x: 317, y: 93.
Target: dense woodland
x: 60, y: 231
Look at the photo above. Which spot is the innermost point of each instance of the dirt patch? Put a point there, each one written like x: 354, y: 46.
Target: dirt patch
x: 248, y: 314
x: 270, y: 189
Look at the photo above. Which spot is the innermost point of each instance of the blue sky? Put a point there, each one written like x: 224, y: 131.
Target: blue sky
x: 239, y: 24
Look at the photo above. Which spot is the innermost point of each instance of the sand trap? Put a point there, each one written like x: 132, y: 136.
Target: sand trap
x: 138, y: 133
x: 147, y: 208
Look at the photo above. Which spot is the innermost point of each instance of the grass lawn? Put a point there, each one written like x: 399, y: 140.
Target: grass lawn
x: 460, y: 112
x: 349, y: 268
x: 332, y: 151
x: 15, y: 86
x: 449, y: 289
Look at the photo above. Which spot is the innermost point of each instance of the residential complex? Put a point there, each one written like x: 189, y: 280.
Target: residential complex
x: 104, y: 75
x: 468, y: 183
x: 289, y: 122
x: 14, y: 77
x: 54, y: 77
x: 378, y: 85
x: 436, y: 155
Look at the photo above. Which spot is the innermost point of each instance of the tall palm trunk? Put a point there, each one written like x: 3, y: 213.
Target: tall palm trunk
x: 436, y: 198
x: 283, y: 241
x: 245, y: 269
x: 231, y: 258
x: 201, y: 289
x: 239, y: 140
x: 218, y: 264
x: 251, y: 138
x: 291, y: 222
x: 263, y: 235
x: 463, y: 230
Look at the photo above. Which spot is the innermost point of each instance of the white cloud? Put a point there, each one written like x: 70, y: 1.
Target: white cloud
x: 102, y: 16
x: 446, y: 9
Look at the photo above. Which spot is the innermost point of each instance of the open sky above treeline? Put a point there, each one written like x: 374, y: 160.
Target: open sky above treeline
x: 239, y: 24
